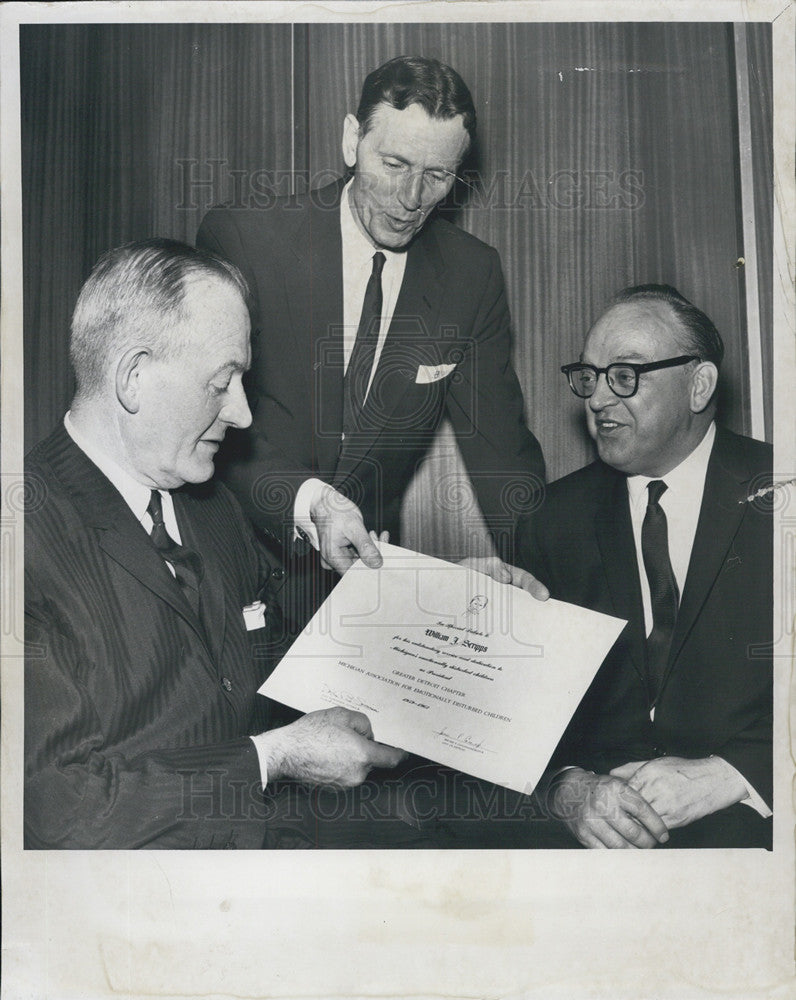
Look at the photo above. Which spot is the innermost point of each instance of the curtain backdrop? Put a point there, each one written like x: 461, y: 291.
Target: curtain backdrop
x: 607, y: 155
x: 131, y: 131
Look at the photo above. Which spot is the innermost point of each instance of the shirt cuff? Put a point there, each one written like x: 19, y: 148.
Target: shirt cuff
x: 753, y: 799
x: 307, y: 493
x: 262, y: 757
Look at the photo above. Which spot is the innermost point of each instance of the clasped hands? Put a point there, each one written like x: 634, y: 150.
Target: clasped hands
x: 637, y: 804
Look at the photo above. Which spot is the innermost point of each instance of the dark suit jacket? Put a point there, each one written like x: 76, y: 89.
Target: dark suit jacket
x: 451, y: 310
x: 136, y: 712
x: 717, y: 692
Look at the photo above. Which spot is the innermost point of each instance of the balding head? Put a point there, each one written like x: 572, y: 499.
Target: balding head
x: 659, y: 425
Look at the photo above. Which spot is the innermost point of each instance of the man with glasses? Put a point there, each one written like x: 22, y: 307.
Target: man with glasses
x: 671, y: 530
x: 372, y: 318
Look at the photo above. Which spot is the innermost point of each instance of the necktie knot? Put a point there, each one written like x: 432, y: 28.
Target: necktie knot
x: 655, y: 490
x: 378, y: 264
x: 155, y: 508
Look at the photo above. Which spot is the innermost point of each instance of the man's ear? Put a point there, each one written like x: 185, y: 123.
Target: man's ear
x: 703, y: 385
x: 129, y: 373
x: 350, y: 140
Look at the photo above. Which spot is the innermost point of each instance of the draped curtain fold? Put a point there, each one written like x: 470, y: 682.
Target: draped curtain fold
x: 132, y: 131
x: 607, y: 155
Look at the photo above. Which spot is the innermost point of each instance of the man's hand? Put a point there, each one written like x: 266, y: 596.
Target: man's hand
x: 682, y: 790
x: 330, y: 747
x: 504, y: 573
x: 604, y: 811
x: 342, y: 535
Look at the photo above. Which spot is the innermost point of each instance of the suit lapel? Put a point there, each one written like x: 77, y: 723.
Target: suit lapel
x: 314, y: 285
x: 119, y: 533
x: 614, y: 532
x: 720, y: 517
x: 123, y: 542
x: 414, y: 321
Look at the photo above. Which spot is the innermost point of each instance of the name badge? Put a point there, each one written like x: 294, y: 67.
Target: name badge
x: 254, y: 616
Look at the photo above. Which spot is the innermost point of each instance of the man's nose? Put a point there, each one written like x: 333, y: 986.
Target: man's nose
x: 410, y: 193
x: 603, y: 395
x: 236, y: 411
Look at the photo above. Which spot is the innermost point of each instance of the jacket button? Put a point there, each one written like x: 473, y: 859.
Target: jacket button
x: 278, y: 573
x: 226, y: 683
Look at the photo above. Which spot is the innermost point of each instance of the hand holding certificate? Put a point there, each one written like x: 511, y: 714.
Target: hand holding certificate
x: 448, y: 664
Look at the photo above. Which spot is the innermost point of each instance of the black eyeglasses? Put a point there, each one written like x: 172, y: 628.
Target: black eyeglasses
x: 622, y: 376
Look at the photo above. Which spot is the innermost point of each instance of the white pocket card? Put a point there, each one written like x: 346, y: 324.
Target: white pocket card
x: 432, y: 373
x: 254, y: 616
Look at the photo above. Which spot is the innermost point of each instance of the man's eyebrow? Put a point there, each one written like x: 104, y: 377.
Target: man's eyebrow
x: 632, y: 357
x: 402, y: 159
x: 231, y: 367
x: 394, y: 156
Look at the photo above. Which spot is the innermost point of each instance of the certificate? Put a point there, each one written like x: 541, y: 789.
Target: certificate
x: 448, y: 663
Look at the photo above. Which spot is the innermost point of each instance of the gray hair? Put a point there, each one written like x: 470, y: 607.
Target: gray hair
x: 135, y: 294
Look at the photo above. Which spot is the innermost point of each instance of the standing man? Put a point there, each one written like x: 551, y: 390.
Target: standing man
x: 372, y: 319
x: 148, y: 604
x: 672, y: 743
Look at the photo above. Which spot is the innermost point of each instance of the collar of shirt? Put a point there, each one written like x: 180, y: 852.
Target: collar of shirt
x: 136, y: 495
x: 357, y: 266
x: 685, y: 479
x: 682, y: 501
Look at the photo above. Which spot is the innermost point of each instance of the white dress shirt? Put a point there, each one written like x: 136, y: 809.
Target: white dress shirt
x: 681, y: 502
x: 357, y: 253
x: 685, y: 486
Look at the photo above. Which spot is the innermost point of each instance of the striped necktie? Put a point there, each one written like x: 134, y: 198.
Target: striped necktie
x: 187, y: 564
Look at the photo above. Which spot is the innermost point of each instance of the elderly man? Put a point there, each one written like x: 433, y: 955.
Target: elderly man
x: 372, y: 318
x: 672, y: 742
x: 147, y: 608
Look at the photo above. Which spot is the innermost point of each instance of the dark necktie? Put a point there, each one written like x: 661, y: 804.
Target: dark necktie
x: 187, y: 564
x: 664, y: 594
x: 360, y: 363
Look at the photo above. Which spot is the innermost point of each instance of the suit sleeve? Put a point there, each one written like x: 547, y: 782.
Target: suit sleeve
x: 750, y: 753
x: 485, y: 406
x: 78, y: 794
x: 530, y: 552
x: 263, y: 477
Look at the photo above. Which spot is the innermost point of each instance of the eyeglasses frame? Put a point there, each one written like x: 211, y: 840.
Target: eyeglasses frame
x: 649, y: 366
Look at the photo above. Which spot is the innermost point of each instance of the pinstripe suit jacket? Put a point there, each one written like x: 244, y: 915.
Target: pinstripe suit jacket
x: 137, y: 713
